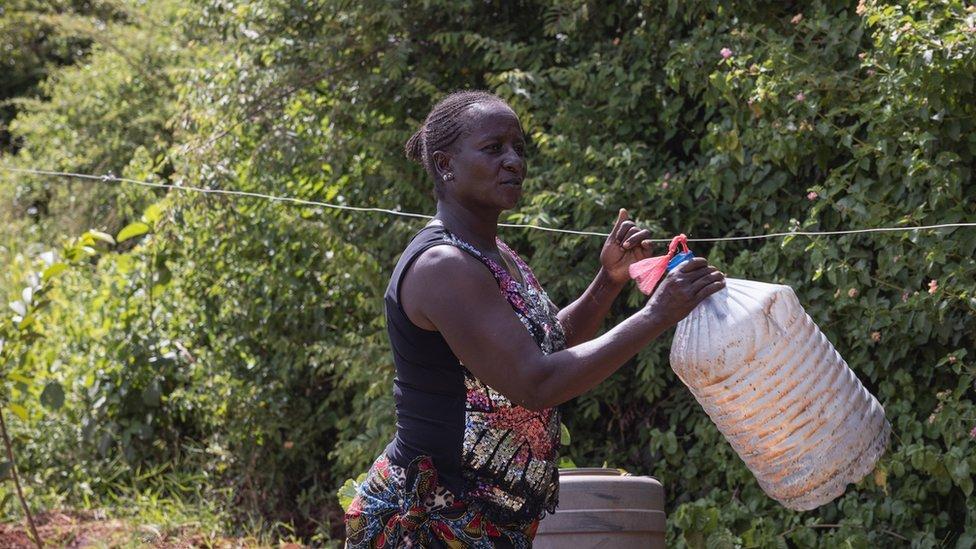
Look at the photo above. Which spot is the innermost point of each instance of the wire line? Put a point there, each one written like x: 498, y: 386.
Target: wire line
x: 113, y: 179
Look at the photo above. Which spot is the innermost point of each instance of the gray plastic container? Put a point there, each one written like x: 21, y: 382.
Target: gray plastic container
x: 604, y: 508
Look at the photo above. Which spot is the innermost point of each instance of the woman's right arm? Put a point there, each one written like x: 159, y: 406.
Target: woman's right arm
x: 450, y: 291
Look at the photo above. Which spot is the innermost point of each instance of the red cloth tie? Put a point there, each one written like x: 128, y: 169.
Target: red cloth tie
x: 648, y: 272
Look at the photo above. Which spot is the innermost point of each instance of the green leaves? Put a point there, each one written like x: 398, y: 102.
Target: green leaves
x: 132, y: 230
x: 19, y: 410
x: 347, y: 492
x: 53, y: 271
x: 246, y: 326
x: 53, y: 396
x: 153, y: 213
x: 104, y: 237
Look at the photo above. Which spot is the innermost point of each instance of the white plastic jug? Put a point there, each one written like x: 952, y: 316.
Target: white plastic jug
x: 779, y: 392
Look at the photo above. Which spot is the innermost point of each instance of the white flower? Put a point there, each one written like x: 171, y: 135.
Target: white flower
x: 49, y: 257
x: 18, y: 308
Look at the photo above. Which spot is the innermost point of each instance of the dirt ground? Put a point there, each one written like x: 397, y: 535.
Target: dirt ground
x: 83, y: 529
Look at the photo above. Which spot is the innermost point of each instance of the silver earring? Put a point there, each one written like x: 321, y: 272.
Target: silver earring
x: 448, y: 176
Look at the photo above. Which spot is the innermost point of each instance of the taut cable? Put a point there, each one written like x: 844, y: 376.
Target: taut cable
x: 113, y: 179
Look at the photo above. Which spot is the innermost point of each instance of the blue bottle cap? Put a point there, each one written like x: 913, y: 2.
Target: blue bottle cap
x: 678, y: 259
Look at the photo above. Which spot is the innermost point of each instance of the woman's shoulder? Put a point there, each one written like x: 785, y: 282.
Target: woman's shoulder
x: 444, y: 282
x: 440, y: 262
x: 429, y: 234
x: 450, y: 266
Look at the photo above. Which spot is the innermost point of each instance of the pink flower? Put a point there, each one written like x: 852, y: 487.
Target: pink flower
x: 812, y: 195
x: 862, y: 56
x: 726, y: 53
x: 801, y: 97
x: 875, y: 336
x: 664, y: 185
x: 904, y: 296
x: 667, y: 175
x: 852, y: 293
x: 796, y: 19
x: 972, y: 434
x: 933, y: 286
x: 872, y: 72
x: 952, y: 359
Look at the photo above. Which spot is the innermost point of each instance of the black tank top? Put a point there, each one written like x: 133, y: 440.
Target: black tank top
x: 485, y: 449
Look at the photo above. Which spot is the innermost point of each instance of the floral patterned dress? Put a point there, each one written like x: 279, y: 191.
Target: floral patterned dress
x: 508, y: 456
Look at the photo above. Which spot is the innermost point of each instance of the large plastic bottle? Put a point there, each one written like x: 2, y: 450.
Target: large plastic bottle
x: 775, y: 387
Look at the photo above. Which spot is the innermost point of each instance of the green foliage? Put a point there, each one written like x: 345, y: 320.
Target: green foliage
x: 245, y: 339
x: 347, y: 492
x: 33, y: 42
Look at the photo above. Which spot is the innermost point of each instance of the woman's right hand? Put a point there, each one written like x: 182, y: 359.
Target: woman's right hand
x: 684, y: 288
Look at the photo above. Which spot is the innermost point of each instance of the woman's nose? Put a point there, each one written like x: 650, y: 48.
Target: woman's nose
x: 513, y: 161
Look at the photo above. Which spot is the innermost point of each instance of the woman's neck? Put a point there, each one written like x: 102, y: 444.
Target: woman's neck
x: 479, y: 229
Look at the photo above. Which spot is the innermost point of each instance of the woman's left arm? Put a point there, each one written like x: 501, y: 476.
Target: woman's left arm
x: 626, y: 244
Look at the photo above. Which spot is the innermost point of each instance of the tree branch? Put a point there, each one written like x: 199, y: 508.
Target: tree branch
x: 20, y: 494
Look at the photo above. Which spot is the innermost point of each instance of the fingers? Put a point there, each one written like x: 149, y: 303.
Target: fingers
x: 689, y: 282
x: 628, y: 234
x: 685, y: 288
x: 644, y: 251
x: 711, y: 276
x: 710, y: 289
x: 693, y: 264
x: 636, y: 237
x: 615, y: 232
x: 627, y: 228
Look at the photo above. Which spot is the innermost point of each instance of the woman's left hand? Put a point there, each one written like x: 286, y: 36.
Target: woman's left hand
x: 626, y: 244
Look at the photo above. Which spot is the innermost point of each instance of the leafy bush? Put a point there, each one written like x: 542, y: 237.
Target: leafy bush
x: 245, y: 338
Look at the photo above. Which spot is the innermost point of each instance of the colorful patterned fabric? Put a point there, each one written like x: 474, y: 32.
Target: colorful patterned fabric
x: 508, y: 454
x: 397, y: 507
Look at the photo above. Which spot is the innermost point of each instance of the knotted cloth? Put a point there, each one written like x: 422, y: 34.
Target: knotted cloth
x: 648, y: 272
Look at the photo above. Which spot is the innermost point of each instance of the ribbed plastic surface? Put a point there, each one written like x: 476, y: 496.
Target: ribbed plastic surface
x: 601, y: 508
x: 780, y: 393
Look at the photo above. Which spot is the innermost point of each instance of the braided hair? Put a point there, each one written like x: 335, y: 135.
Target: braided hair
x: 442, y: 127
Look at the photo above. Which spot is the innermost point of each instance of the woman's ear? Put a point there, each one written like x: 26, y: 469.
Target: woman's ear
x: 442, y: 163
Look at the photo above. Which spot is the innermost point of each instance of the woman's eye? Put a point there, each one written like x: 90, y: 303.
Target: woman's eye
x: 494, y: 147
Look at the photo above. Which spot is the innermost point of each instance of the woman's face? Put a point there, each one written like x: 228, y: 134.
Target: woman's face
x: 489, y: 159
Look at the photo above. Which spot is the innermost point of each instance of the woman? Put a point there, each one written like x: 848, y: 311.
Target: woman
x: 482, y: 356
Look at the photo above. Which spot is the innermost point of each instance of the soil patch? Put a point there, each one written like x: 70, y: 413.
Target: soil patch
x: 92, y: 529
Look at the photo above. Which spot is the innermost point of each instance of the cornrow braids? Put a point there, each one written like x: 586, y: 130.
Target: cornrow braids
x: 442, y: 127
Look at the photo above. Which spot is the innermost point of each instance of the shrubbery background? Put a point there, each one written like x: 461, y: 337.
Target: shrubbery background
x: 233, y: 351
